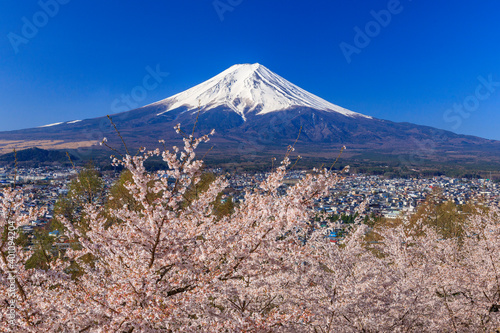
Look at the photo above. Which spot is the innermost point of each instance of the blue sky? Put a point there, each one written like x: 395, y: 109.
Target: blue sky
x: 427, y: 62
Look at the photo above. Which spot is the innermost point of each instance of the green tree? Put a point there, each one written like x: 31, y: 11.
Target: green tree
x: 222, y: 206
x: 42, y: 254
x: 87, y: 188
x: 445, y: 216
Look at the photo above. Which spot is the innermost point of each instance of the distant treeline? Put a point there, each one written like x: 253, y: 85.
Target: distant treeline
x: 34, y: 157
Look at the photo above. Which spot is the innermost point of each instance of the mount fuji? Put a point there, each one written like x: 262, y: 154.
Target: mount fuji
x: 246, y: 89
x: 257, y: 112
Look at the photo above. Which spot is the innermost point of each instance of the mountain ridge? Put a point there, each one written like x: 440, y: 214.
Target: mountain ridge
x: 249, y: 106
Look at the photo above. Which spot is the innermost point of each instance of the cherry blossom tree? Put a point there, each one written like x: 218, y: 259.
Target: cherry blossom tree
x: 168, y: 264
x: 418, y: 281
x: 33, y: 300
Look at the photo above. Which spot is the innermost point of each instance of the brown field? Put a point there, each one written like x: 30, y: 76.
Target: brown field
x: 7, y: 146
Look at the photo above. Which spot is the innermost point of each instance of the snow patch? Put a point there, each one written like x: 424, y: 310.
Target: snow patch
x: 49, y: 125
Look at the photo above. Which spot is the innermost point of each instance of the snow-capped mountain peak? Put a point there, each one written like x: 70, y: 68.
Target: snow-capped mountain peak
x: 246, y: 88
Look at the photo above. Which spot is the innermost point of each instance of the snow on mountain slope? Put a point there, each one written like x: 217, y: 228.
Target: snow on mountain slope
x: 50, y: 125
x: 249, y: 88
x: 60, y: 123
